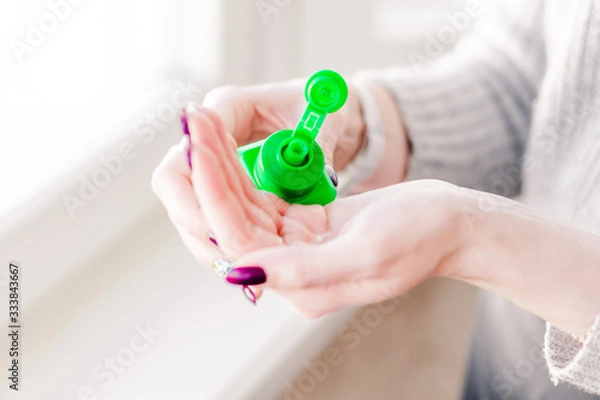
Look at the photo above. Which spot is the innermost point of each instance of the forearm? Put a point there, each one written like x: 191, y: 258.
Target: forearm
x: 547, y: 268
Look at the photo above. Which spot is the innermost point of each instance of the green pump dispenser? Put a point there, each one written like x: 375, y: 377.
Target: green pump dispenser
x: 290, y: 163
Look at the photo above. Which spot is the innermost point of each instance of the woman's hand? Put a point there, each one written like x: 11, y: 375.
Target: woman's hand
x: 356, y: 250
x: 379, y: 244
x: 244, y: 115
x: 248, y: 114
x: 373, y: 247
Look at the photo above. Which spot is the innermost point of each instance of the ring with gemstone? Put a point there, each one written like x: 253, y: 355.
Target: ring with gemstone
x: 223, y: 267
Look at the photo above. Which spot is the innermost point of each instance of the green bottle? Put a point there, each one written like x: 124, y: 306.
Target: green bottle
x: 290, y: 163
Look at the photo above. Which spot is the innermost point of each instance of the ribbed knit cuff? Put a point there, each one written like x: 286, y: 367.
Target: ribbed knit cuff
x: 458, y: 130
x: 461, y: 130
x: 571, y: 361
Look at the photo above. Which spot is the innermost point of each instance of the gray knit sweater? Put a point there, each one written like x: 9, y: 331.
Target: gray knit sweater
x: 514, y: 109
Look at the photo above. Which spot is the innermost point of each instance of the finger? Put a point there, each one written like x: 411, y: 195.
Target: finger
x: 213, y: 185
x: 252, y: 113
x: 294, y: 232
x: 208, y: 131
x: 203, y: 250
x: 329, y: 136
x: 307, y: 224
x: 225, y: 214
x: 253, y: 293
x: 235, y: 107
x: 299, y: 266
x: 207, y: 253
x: 258, y: 207
x: 318, y: 301
x: 171, y: 184
x: 266, y: 210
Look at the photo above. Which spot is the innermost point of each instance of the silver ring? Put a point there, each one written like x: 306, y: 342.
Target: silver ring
x: 223, y: 267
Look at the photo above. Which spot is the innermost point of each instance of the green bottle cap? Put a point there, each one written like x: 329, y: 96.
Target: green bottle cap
x: 290, y: 163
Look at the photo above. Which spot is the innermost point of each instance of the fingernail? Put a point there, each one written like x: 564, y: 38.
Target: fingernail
x: 249, y: 294
x: 247, y: 276
x: 332, y: 175
x: 186, y: 133
x: 184, y: 123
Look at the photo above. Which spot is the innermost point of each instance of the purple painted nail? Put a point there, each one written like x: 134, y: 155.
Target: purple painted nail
x: 188, y: 152
x: 247, y: 276
x: 186, y: 133
x: 332, y: 175
x: 184, y: 123
x: 249, y: 294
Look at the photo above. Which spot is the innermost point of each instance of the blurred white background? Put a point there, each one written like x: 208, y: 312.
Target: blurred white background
x: 74, y: 75
x: 89, y: 98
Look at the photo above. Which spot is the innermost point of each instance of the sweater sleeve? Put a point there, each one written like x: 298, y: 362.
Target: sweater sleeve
x: 468, y: 113
x: 571, y: 361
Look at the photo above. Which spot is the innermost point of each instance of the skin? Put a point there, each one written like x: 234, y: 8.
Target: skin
x: 376, y: 245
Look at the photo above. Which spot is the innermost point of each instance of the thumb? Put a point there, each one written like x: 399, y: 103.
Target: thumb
x: 250, y: 113
x: 235, y: 107
x: 329, y: 135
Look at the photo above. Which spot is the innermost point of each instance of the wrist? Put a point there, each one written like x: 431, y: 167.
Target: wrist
x: 488, y: 227
x: 386, y: 125
x: 373, y: 152
x: 462, y: 213
x: 353, y: 137
x: 544, y: 267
